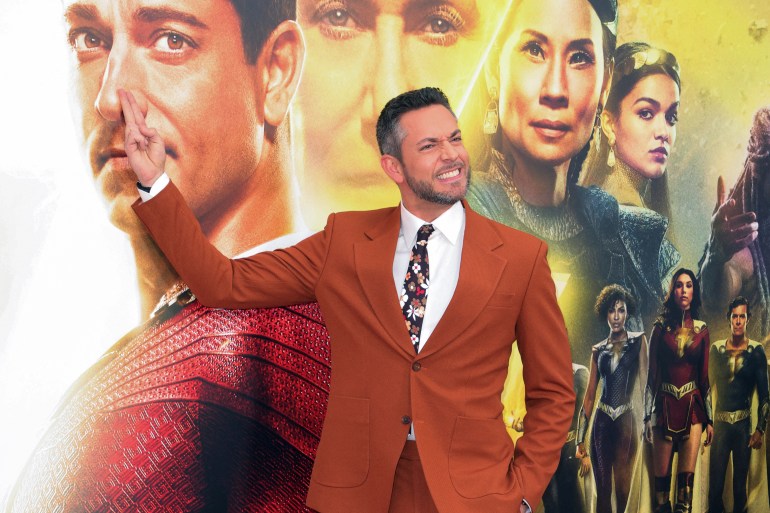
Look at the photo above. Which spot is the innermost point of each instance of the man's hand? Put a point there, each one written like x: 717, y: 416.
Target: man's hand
x: 755, y: 442
x: 709, y: 435
x: 731, y: 231
x: 144, y: 147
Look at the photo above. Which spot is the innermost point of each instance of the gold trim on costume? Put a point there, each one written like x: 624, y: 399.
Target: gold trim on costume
x: 678, y: 392
x: 614, y: 413
x: 731, y: 417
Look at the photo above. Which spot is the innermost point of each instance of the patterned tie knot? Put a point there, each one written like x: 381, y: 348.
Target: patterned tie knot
x: 423, y: 234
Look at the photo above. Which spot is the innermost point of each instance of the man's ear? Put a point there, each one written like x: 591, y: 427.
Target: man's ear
x: 282, y: 57
x: 393, y: 168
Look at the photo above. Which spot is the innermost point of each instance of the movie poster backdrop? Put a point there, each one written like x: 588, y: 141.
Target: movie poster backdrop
x: 73, y: 279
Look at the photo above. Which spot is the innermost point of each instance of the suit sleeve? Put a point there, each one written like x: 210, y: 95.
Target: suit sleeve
x: 274, y: 278
x: 547, y: 368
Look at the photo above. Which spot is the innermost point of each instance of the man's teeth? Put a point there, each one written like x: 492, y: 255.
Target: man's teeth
x: 449, y: 174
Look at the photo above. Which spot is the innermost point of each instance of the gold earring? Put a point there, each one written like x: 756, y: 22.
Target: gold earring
x: 491, y: 117
x: 611, y: 154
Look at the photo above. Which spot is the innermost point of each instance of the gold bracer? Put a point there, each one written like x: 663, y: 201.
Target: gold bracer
x: 731, y: 417
x: 571, y: 436
x: 676, y: 391
x: 616, y: 412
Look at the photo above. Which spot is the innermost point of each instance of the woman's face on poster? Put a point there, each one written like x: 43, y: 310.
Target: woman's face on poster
x: 616, y: 316
x: 645, y: 128
x: 684, y: 290
x: 550, y: 75
x: 360, y: 54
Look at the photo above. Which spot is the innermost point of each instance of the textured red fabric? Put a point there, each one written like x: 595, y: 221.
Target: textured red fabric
x: 197, y: 410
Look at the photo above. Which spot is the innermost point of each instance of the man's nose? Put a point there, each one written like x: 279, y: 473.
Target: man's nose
x: 448, y: 150
x: 388, y: 78
x: 122, y: 71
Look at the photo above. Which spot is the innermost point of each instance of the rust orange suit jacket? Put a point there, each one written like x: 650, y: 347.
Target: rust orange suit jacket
x: 450, y: 390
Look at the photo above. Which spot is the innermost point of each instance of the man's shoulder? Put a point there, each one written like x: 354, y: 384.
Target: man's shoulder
x: 360, y: 216
x: 508, y: 233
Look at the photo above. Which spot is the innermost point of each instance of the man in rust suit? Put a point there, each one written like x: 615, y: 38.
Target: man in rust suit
x: 414, y: 416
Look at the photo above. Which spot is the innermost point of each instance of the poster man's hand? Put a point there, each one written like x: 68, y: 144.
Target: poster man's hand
x: 756, y: 440
x: 731, y: 231
x: 144, y: 148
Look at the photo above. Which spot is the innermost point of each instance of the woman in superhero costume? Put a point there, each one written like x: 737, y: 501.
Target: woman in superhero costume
x: 619, y: 362
x: 677, y: 402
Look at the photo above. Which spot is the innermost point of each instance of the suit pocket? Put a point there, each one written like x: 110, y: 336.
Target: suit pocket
x: 502, y: 301
x: 342, y: 459
x: 480, y: 457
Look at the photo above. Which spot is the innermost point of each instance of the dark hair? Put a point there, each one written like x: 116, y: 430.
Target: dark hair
x: 670, y: 312
x: 633, y: 62
x: 390, y: 135
x: 610, y: 295
x: 259, y: 19
x: 735, y: 303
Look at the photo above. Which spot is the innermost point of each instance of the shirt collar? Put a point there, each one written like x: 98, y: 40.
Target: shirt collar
x: 449, y: 224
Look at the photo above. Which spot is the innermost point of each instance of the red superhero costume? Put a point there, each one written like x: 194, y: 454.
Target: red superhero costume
x: 677, y: 394
x: 198, y: 409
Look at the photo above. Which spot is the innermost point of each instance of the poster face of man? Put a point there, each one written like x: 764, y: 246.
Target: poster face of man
x: 362, y: 53
x: 186, y: 64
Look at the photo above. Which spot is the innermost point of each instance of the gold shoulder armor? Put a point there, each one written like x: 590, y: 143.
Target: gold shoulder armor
x: 698, y: 325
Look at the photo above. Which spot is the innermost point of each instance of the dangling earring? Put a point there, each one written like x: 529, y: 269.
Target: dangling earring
x: 598, y: 128
x: 611, y: 154
x: 491, y: 118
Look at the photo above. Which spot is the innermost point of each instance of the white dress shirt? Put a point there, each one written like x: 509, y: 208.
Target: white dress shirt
x: 445, y: 247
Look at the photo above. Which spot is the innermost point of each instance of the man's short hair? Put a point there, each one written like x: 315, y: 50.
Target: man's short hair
x: 735, y: 303
x: 259, y: 19
x: 390, y: 135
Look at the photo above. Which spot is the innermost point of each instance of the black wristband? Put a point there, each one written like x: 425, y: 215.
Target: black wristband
x: 142, y: 187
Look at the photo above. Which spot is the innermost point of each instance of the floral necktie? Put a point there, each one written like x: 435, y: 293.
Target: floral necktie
x: 414, y: 295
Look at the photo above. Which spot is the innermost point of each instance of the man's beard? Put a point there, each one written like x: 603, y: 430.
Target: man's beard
x: 425, y: 191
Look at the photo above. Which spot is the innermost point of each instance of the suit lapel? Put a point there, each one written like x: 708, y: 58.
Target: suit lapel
x: 480, y: 273
x: 374, y: 265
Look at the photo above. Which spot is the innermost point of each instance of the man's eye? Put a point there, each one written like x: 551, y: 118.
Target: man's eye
x: 336, y: 21
x: 172, y: 42
x: 441, y: 26
x: 85, y: 41
x: 338, y: 18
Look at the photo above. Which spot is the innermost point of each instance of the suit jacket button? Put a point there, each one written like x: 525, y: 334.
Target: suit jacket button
x: 406, y: 419
x: 416, y: 366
